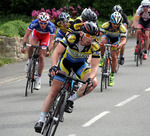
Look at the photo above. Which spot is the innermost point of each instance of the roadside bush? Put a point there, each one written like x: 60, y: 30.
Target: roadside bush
x: 13, y: 28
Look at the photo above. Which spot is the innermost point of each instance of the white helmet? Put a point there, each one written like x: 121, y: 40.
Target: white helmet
x: 116, y: 18
x: 43, y: 17
x: 145, y: 3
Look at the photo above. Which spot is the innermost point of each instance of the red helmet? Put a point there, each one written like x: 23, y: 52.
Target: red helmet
x: 43, y: 17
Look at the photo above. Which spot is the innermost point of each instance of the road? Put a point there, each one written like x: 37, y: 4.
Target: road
x: 122, y: 110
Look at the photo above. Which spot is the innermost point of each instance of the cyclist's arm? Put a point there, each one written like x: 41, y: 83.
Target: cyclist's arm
x: 123, y: 41
x: 26, y: 36
x: 57, y: 53
x: 135, y: 20
x: 51, y: 42
x: 94, y: 67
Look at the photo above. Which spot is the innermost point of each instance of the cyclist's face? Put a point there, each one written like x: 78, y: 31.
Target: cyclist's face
x: 65, y: 23
x: 115, y: 26
x: 145, y: 8
x: 86, y: 39
x: 43, y: 25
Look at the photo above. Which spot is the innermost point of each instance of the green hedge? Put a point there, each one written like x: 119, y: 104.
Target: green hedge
x: 13, y: 28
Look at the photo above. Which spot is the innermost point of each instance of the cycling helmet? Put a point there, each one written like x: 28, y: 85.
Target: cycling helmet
x: 88, y: 15
x: 89, y: 28
x: 64, y: 16
x: 116, y: 18
x: 117, y: 8
x: 43, y: 17
x: 145, y: 3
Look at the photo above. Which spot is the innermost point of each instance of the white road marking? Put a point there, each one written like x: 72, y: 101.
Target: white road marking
x: 72, y: 135
x: 148, y: 89
x: 127, y: 100
x: 95, y: 118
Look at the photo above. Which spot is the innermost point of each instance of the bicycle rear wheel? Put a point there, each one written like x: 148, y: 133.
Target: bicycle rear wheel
x: 58, y: 113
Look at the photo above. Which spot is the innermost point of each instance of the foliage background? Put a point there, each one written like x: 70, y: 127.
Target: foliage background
x: 104, y: 7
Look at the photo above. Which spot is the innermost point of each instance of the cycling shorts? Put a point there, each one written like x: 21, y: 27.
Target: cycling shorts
x: 43, y: 38
x: 145, y: 24
x: 112, y: 40
x: 80, y: 69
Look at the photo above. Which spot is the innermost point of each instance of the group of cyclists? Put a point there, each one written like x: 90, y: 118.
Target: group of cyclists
x: 79, y: 46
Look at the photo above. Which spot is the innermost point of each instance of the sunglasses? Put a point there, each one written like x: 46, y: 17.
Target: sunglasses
x: 145, y: 6
x: 64, y: 22
x: 43, y: 23
x: 89, y: 36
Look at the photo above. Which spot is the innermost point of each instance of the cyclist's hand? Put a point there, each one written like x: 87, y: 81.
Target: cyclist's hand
x: 119, y: 46
x: 23, y: 49
x: 89, y: 83
x: 53, y: 70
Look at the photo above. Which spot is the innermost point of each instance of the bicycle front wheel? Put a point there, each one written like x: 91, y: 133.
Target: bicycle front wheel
x: 58, y: 112
x: 28, y: 84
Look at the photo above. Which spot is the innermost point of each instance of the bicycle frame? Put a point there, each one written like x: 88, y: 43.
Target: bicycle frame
x: 33, y: 68
x: 56, y: 112
x: 140, y: 53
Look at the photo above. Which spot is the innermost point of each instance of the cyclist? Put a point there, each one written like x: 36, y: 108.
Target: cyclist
x: 86, y: 15
x: 43, y: 31
x: 142, y: 19
x: 113, y: 32
x: 63, y: 23
x: 75, y: 47
x: 125, y: 23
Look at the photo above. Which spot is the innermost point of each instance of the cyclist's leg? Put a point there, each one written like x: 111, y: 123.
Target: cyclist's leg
x: 55, y: 88
x: 147, y: 26
x: 104, y: 39
x: 44, y: 41
x: 83, y: 72
x: 33, y: 39
x: 114, y: 63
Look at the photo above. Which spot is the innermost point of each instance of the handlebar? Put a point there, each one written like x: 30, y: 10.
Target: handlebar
x: 109, y: 45
x: 142, y: 29
x: 34, y: 46
x: 71, y: 78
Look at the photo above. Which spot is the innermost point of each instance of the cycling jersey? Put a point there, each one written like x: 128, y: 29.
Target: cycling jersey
x: 113, y: 36
x: 76, y: 25
x: 75, y: 56
x: 107, y: 30
x: 60, y: 26
x: 50, y: 28
x: 144, y: 15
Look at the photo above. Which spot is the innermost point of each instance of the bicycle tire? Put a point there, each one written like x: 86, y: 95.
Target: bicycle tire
x: 106, y: 66
x: 58, y: 113
x: 27, y: 86
x: 28, y: 83
x: 102, y: 80
x: 33, y: 76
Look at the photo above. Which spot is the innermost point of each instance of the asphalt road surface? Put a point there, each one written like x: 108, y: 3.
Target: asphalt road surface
x: 122, y: 110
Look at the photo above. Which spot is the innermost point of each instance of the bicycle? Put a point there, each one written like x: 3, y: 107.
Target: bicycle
x: 33, y: 68
x: 140, y: 50
x: 56, y: 111
x: 106, y: 68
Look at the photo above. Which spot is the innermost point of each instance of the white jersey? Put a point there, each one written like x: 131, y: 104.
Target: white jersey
x: 142, y: 14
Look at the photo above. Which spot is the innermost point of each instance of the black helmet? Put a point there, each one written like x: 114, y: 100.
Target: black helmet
x: 64, y: 16
x: 117, y: 8
x: 88, y: 15
x: 90, y: 28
